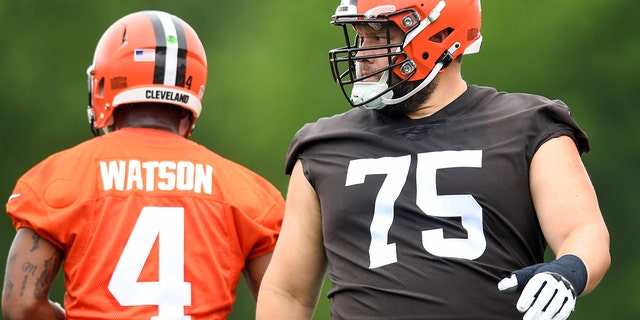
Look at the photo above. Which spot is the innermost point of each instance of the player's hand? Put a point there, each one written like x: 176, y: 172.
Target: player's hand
x: 545, y: 296
x: 548, y: 291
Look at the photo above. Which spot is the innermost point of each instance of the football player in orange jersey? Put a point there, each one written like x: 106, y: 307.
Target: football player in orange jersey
x: 145, y: 223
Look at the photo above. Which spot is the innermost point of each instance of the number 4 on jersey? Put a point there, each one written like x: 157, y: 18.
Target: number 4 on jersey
x: 170, y: 293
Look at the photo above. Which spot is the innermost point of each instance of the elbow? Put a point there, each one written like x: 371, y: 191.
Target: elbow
x: 596, y: 273
x: 606, y: 264
x: 14, y: 312
x: 598, y: 267
x: 21, y: 309
x: 605, y: 261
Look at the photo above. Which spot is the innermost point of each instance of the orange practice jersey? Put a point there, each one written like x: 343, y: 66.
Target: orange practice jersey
x: 151, y: 224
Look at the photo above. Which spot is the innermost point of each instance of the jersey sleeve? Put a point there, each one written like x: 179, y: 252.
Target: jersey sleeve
x: 25, y: 211
x: 45, y: 199
x: 555, y: 120
x: 257, y: 211
x: 295, y: 148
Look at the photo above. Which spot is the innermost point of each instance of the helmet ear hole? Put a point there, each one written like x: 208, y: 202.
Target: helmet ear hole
x: 441, y: 35
x: 101, y: 87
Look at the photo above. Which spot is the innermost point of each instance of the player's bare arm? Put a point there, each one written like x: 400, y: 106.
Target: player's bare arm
x: 568, y: 208
x: 293, y: 281
x: 570, y: 218
x: 32, y: 266
x: 254, y: 272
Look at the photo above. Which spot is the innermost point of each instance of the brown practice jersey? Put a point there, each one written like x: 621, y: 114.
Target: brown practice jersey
x: 152, y: 225
x: 422, y: 218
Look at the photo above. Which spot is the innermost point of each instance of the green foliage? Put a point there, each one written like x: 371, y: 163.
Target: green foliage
x: 269, y: 75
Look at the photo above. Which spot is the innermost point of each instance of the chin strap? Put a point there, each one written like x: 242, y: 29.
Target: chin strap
x: 363, y: 91
x: 92, y: 119
x: 442, y: 63
x: 366, y: 91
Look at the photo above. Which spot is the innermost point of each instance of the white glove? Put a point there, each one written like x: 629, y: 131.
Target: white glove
x: 546, y: 296
x: 548, y: 290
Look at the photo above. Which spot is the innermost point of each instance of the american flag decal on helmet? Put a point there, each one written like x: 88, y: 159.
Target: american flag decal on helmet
x: 171, y: 50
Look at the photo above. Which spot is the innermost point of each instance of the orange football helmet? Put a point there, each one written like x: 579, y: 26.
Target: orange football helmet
x: 418, y: 58
x: 147, y: 56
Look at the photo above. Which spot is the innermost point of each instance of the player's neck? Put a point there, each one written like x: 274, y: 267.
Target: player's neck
x: 450, y: 86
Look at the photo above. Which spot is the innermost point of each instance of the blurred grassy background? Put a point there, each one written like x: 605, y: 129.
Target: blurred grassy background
x: 269, y: 74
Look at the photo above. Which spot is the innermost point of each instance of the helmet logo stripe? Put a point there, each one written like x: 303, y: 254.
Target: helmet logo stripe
x: 170, y: 68
x: 158, y: 30
x: 171, y: 43
x: 181, y: 67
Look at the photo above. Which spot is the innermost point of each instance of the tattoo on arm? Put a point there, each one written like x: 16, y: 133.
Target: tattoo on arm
x: 37, y: 264
x: 36, y: 242
x: 8, y: 288
x: 24, y: 284
x: 48, y: 275
x: 29, y: 268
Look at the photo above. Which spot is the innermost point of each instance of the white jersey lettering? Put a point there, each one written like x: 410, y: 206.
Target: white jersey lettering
x: 125, y: 175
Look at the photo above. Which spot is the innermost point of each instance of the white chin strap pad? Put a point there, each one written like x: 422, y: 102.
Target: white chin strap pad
x: 364, y: 91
